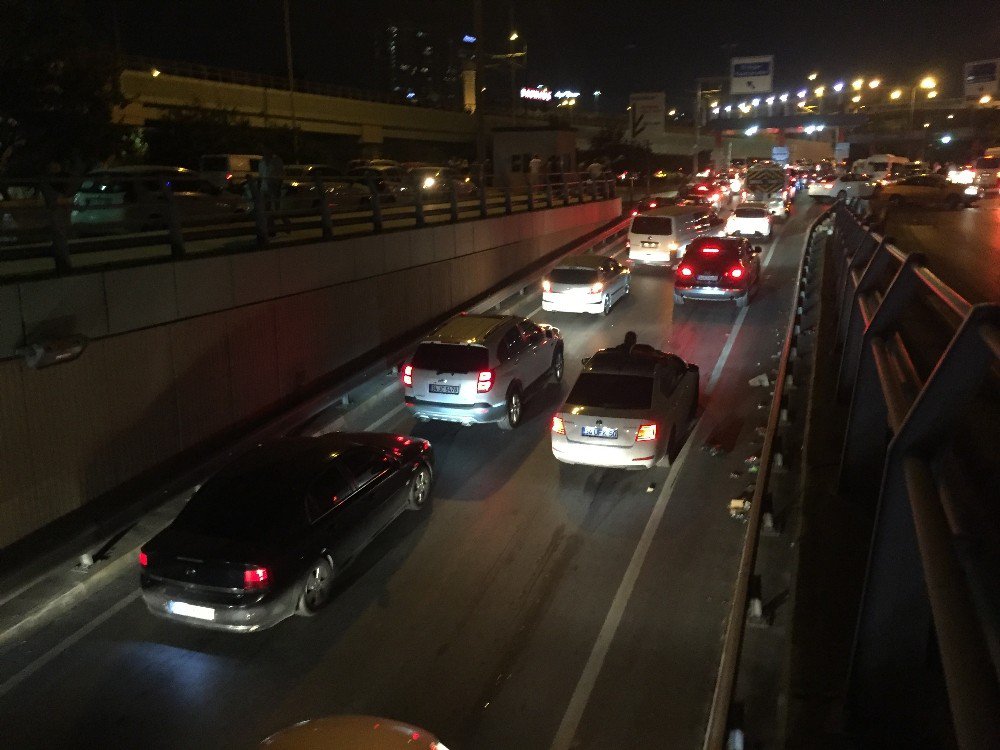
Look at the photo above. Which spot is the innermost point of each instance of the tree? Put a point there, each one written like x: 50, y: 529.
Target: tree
x: 59, y: 90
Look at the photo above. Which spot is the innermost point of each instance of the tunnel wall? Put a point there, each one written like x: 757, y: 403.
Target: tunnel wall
x: 182, y: 351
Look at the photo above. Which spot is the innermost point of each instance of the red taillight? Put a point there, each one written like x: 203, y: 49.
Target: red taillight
x: 143, y: 559
x: 736, y: 273
x: 558, y: 426
x: 652, y: 204
x: 645, y: 432
x: 229, y: 176
x: 256, y: 578
x: 408, y: 375
x: 484, y: 382
x: 685, y: 271
x: 702, y: 188
x: 546, y: 285
x: 635, y: 213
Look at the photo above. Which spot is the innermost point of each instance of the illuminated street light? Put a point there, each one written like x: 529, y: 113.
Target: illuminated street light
x: 927, y: 124
x: 951, y: 117
x: 985, y: 99
x: 714, y: 105
x: 154, y: 72
x: 838, y: 86
x: 856, y: 98
x: 802, y: 105
x: 813, y: 76
x: 858, y: 84
x: 802, y: 94
x: 513, y: 36
x: 752, y: 130
x: 820, y: 90
x: 769, y: 100
x: 931, y: 94
x: 874, y: 83
x: 729, y: 108
x: 928, y: 82
x: 945, y: 139
x: 755, y: 102
x: 784, y: 97
x: 671, y: 113
x: 715, y: 110
x: 896, y: 94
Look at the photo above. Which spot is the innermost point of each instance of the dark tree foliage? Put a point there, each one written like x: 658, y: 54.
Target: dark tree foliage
x: 58, y: 88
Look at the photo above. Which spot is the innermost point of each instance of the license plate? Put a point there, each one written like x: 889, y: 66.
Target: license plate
x: 452, y: 389
x: 601, y: 432
x: 191, y: 610
x: 703, y: 277
x: 650, y: 244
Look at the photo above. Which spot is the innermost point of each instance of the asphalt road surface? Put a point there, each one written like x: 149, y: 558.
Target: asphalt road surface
x: 534, y: 605
x: 961, y: 247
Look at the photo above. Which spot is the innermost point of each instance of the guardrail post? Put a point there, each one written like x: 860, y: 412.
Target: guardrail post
x: 565, y: 191
x: 508, y: 205
x: 453, y: 197
x: 593, y: 190
x: 324, y: 207
x: 548, y: 195
x: 531, y: 197
x: 376, y: 201
x: 60, y: 243
x: 259, y: 212
x: 868, y: 414
x: 483, y: 211
x: 173, y: 227
x: 851, y: 318
x: 418, y: 205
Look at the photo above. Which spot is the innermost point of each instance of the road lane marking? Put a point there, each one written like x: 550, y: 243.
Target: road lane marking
x: 588, y: 678
x: 724, y: 356
x: 382, y: 420
x: 55, y: 651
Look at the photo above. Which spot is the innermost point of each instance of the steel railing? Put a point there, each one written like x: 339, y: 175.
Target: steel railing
x: 747, y: 604
x: 919, y: 375
x: 39, y: 232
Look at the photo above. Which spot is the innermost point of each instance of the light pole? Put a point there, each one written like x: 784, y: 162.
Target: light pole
x: 927, y: 83
x: 291, y: 83
x: 597, y: 102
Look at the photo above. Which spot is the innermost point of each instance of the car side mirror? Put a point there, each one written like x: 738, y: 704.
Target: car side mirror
x: 757, y: 249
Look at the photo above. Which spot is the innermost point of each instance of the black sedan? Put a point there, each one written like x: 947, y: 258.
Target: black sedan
x: 267, y: 536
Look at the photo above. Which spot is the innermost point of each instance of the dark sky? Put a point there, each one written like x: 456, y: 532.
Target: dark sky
x: 584, y: 45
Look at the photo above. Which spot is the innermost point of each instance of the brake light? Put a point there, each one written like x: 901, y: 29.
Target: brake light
x: 558, y: 426
x: 408, y: 375
x: 256, y: 578
x: 736, y: 272
x: 652, y: 204
x: 711, y: 250
x: 546, y: 285
x: 645, y: 432
x: 229, y: 175
x: 686, y: 271
x: 143, y: 559
x: 484, y: 382
x: 597, y: 288
x: 702, y: 188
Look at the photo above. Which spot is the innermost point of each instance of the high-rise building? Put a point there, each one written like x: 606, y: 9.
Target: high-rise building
x: 423, y: 66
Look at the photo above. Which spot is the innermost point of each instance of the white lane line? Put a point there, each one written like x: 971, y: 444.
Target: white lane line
x: 382, y: 420
x: 726, y: 350
x: 53, y: 652
x: 588, y: 678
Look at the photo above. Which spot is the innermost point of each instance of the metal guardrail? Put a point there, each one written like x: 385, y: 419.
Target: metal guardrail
x: 38, y: 230
x: 747, y: 604
x: 920, y: 372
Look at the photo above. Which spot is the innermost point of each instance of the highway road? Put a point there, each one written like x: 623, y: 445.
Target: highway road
x: 961, y: 247
x: 533, y: 606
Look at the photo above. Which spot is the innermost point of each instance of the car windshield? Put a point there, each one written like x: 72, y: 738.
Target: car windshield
x: 451, y: 358
x: 652, y: 225
x: 751, y: 213
x: 255, y: 506
x: 611, y: 391
x: 574, y: 276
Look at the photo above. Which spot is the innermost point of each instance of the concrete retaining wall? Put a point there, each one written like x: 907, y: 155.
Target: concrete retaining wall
x: 181, y: 351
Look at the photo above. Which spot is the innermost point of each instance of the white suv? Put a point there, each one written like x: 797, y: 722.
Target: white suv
x: 475, y: 369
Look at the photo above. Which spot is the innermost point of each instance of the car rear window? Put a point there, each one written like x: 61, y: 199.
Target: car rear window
x: 751, y: 213
x: 574, y: 276
x: 652, y: 225
x: 609, y: 391
x: 451, y: 358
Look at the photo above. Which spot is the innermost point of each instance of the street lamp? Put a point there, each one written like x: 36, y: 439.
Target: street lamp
x: 838, y: 86
x: 985, y: 99
x: 513, y: 37
x: 946, y: 139
x: 856, y: 98
x: 783, y: 97
x: 896, y: 94
x: 802, y: 94
x: 813, y: 76
x: 858, y: 84
x: 820, y: 90
x: 755, y: 102
x: 932, y: 94
x: 874, y: 83
x: 927, y: 82
x: 597, y: 101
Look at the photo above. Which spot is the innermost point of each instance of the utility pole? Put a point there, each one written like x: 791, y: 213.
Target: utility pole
x: 477, y: 25
x: 291, y: 82
x: 697, y: 128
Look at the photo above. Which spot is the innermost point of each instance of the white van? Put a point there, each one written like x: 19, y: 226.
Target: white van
x: 880, y: 166
x: 228, y: 171
x: 987, y: 170
x: 658, y: 238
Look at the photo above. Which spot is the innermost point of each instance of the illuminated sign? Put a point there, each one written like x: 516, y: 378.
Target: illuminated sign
x: 469, y: 39
x: 567, y: 94
x: 540, y: 95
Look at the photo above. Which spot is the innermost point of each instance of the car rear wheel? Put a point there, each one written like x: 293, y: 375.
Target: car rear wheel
x: 515, y: 406
x: 317, y: 588
x: 420, y: 488
x: 558, y: 365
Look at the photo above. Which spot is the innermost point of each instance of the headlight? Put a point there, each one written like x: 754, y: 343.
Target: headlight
x: 672, y: 246
x: 972, y: 190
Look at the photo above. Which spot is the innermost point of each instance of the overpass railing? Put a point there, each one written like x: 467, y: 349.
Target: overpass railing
x: 51, y: 227
x: 920, y: 378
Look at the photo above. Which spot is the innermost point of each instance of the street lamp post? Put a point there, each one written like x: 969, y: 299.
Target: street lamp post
x: 927, y: 83
x: 291, y: 83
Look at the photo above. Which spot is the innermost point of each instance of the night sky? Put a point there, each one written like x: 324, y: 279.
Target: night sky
x: 616, y: 47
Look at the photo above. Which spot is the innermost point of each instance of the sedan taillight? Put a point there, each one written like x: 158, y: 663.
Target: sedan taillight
x: 408, y: 375
x: 558, y: 426
x: 484, y: 382
x: 256, y: 578
x: 645, y: 433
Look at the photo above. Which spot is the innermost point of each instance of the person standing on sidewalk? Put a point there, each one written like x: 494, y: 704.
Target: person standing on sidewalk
x: 272, y: 180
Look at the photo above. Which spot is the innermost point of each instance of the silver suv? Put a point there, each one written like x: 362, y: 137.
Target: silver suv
x: 475, y: 369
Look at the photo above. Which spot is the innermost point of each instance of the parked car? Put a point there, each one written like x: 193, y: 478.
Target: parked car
x: 342, y: 193
x: 927, y: 190
x: 132, y: 199
x: 436, y: 182
x: 389, y: 181
x: 585, y: 283
x: 476, y: 369
x: 229, y: 171
x: 851, y: 185
x: 268, y: 535
x: 627, y: 409
x: 718, y: 269
x: 751, y: 219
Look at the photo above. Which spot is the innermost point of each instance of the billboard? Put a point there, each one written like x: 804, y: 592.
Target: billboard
x: 648, y: 112
x: 751, y: 75
x: 981, y: 78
